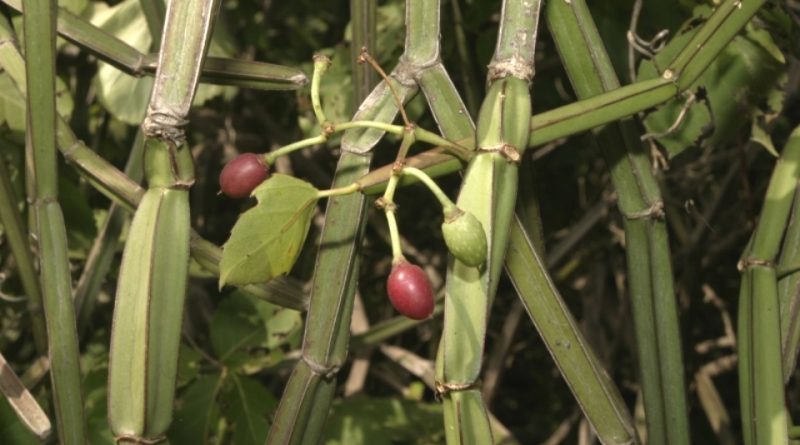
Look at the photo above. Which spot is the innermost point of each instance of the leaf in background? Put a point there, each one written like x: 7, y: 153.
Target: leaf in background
x: 12, y: 430
x: 759, y: 134
x: 188, y: 365
x: 125, y: 96
x: 383, y: 421
x: 196, y: 412
x: 282, y: 325
x: 248, y: 405
x: 736, y: 82
x: 236, y: 326
x: 78, y: 218
x: 266, y: 239
x: 96, y: 402
x: 12, y: 104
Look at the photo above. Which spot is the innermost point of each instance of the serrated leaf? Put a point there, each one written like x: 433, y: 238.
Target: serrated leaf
x: 249, y: 405
x: 266, y: 240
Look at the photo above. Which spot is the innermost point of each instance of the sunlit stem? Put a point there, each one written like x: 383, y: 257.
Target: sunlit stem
x: 409, y: 137
x: 389, y: 128
x: 389, y: 209
x: 434, y: 139
x: 321, y: 64
x: 269, y: 158
x: 352, y: 188
x: 432, y: 186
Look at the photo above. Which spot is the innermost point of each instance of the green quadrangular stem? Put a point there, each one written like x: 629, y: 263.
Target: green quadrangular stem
x: 154, y: 12
x: 596, y: 394
x: 764, y: 414
x: 16, y: 233
x: 101, y: 255
x: 307, y: 397
x: 49, y: 229
x: 124, y: 191
x: 594, y: 391
x: 223, y: 71
x: 99, y: 259
x: 723, y: 24
x: 647, y: 246
x: 148, y: 309
x: 789, y: 291
x: 489, y: 193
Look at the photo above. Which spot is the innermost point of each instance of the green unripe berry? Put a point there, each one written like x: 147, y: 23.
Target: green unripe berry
x: 464, y: 236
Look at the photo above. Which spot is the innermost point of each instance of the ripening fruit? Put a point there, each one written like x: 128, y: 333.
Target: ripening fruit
x: 465, y: 238
x: 410, y: 291
x: 243, y: 174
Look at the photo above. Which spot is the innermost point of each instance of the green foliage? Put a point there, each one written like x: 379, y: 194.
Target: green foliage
x: 237, y: 348
x: 266, y: 239
x: 383, y: 421
x: 726, y: 97
x: 126, y: 96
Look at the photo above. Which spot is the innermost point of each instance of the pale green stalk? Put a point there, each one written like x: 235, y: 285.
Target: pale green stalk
x: 764, y: 414
x: 308, y: 395
x: 127, y: 193
x: 489, y: 193
x: 50, y: 232
x: 108, y: 48
x: 653, y: 299
x: 148, y: 310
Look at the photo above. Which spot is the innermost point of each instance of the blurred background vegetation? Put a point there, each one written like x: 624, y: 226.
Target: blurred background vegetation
x: 238, y: 350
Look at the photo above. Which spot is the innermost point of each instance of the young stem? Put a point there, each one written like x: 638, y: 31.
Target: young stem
x: 321, y: 64
x: 389, y: 210
x: 269, y: 158
x: 432, y: 186
x: 339, y: 191
x: 366, y: 57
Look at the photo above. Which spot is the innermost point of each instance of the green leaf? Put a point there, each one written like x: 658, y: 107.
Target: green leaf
x: 736, y: 82
x: 196, y: 411
x: 189, y: 361
x: 12, y: 104
x: 96, y: 400
x: 759, y: 134
x: 374, y: 421
x: 266, y: 240
x: 235, y: 327
x: 248, y: 406
x: 78, y: 216
x: 125, y: 96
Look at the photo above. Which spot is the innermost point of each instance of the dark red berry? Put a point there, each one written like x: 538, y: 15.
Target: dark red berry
x: 243, y: 174
x: 410, y: 291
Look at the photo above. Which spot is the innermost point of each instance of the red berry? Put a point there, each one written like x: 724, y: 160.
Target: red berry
x: 243, y: 174
x: 410, y: 291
